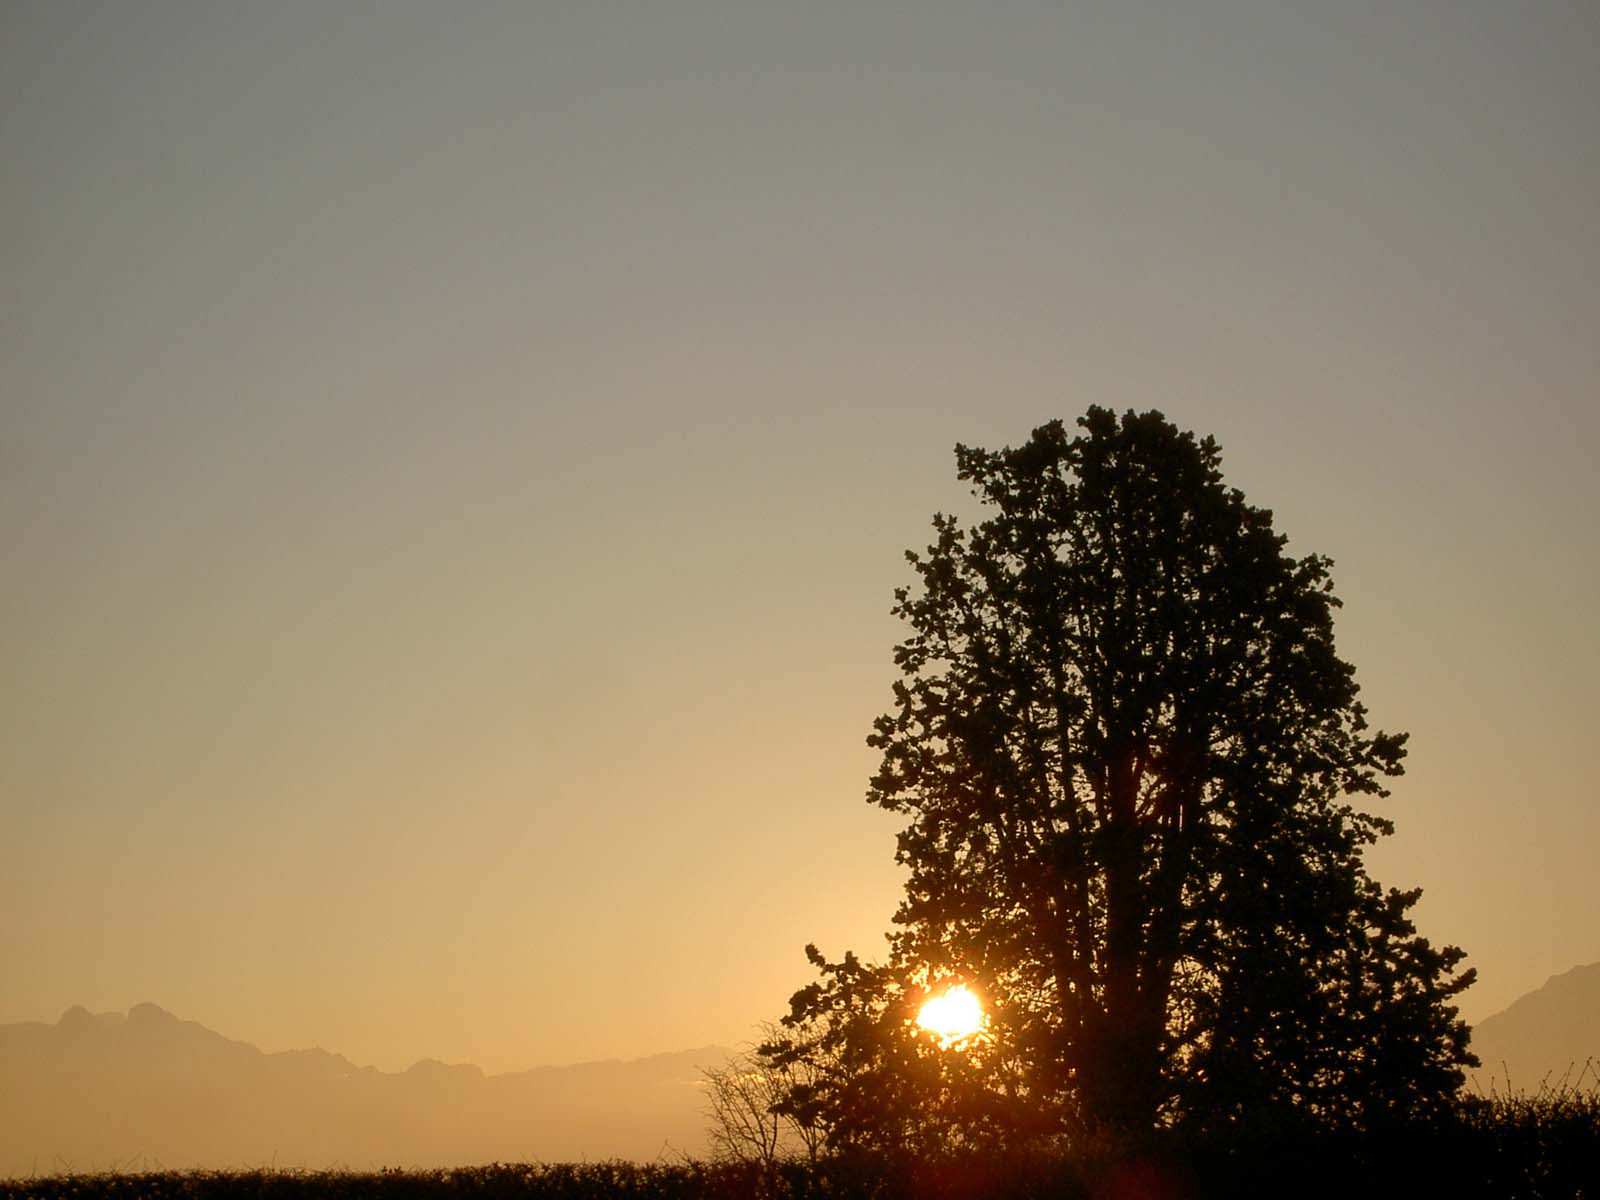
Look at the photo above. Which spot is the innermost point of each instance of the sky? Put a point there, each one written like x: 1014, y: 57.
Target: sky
x: 455, y: 461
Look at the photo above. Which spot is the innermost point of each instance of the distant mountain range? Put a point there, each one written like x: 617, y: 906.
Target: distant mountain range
x: 1546, y: 1037
x: 144, y: 1089
x: 147, y: 1090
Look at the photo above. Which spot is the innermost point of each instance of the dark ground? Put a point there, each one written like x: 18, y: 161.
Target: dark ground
x: 1544, y: 1148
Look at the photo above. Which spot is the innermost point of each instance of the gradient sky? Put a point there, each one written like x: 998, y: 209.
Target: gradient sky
x: 455, y: 460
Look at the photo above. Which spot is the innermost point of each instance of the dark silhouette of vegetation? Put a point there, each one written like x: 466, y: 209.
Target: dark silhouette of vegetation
x: 1545, y: 1147
x: 1131, y: 762
x: 746, y: 1119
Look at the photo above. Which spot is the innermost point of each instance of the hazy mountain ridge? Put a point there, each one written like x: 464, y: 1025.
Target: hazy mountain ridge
x: 94, y: 1091
x: 146, y: 1088
x: 1545, y: 1036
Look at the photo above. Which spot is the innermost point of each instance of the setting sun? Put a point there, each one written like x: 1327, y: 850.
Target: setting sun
x: 952, y: 1015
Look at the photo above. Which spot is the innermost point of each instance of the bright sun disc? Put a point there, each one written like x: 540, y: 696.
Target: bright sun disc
x: 952, y: 1015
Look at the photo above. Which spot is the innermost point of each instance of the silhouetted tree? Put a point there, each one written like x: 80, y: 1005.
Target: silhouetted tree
x: 1129, y: 753
x: 872, y: 1083
x: 747, y: 1120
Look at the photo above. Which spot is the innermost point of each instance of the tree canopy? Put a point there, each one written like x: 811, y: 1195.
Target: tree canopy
x: 1132, y: 766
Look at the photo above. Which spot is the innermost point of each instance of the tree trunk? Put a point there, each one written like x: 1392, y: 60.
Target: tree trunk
x: 1120, y: 1066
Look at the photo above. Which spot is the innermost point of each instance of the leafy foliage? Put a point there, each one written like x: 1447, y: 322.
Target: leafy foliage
x: 1130, y: 756
x: 878, y: 1086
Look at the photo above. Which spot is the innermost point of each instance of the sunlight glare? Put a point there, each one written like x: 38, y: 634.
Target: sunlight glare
x: 952, y: 1015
